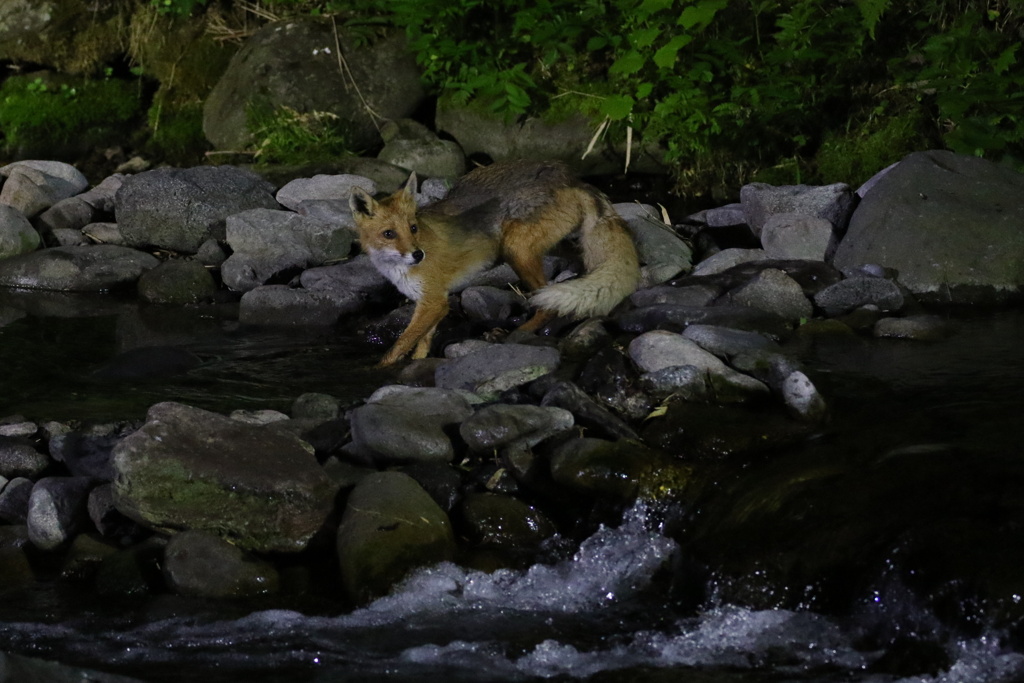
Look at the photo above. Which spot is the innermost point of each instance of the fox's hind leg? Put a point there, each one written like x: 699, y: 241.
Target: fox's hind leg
x: 524, y: 245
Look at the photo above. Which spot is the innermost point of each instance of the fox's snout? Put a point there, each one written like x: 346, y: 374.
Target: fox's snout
x: 417, y: 255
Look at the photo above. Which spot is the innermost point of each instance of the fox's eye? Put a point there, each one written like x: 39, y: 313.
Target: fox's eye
x: 413, y: 228
x: 389, y: 234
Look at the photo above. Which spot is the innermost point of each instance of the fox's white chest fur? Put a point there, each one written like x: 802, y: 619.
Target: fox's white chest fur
x: 397, y: 268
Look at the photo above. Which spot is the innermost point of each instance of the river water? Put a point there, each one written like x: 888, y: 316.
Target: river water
x: 605, y: 610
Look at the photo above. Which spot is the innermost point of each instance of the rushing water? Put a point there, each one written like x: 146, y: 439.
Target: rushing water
x: 606, y: 610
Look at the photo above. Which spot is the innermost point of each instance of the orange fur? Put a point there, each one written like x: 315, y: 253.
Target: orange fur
x: 513, y: 211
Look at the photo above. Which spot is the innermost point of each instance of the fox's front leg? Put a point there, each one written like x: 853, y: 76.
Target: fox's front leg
x: 430, y: 310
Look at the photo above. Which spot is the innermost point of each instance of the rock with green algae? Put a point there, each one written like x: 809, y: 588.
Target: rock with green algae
x: 187, y: 468
x: 390, y: 527
x: 621, y: 470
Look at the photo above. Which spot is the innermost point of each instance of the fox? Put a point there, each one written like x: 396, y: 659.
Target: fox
x: 515, y: 212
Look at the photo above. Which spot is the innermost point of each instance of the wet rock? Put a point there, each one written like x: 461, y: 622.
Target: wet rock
x: 500, y: 521
x: 357, y: 277
x: 657, y: 350
x: 17, y: 425
x: 587, y: 412
x: 621, y: 470
x: 133, y: 572
x: 726, y: 342
x: 284, y: 306
x: 775, y: 292
x: 203, y: 565
x: 390, y: 527
x: 612, y: 380
x: 584, y: 340
x: 177, y: 281
x: 57, y: 509
x: 676, y: 318
x: 916, y: 327
x: 692, y: 295
x: 34, y: 186
x: 17, y: 236
x: 88, y: 452
x: 187, y: 468
x: 833, y: 203
x: 179, y: 209
x: 267, y: 243
x: 796, y: 236
x: 400, y: 425
x: 84, y: 556
x: 109, y: 522
x: 76, y: 269
x: 441, y: 482
x: 315, y: 406
x: 802, y: 398
x: 854, y: 292
x: 687, y: 382
x: 949, y: 223
x: 512, y: 426
x: 14, y: 496
x: 18, y: 458
x: 492, y: 370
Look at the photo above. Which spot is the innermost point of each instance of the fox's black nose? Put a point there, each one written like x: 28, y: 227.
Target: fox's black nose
x: 417, y: 255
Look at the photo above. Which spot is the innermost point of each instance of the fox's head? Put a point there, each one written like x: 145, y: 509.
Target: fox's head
x: 387, y: 228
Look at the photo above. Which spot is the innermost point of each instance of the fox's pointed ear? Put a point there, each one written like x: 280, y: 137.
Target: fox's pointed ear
x: 361, y: 203
x: 410, y: 185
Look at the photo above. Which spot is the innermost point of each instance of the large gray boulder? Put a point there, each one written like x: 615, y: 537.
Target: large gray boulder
x: 180, y: 208
x: 76, y: 269
x: 950, y: 224
x: 295, y: 63
x: 187, y: 468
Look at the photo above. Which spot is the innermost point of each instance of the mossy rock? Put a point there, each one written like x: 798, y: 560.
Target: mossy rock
x: 73, y: 36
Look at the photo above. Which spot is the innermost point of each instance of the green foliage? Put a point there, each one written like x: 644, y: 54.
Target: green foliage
x: 176, y: 132
x: 287, y: 136
x: 36, y: 113
x: 181, y: 7
x: 732, y: 86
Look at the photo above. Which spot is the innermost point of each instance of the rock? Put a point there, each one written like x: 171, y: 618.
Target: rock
x: 258, y: 418
x: 323, y: 188
x: 284, y: 306
x: 833, y: 203
x: 268, y: 243
x: 492, y: 370
x: 294, y: 63
x: 855, y: 292
x: 726, y: 342
x: 57, y: 509
x: 443, y: 483
x: 187, y: 468
x: 726, y: 259
x: 399, y: 425
x: 180, y: 208
x: 19, y: 459
x: 390, y: 527
x: 490, y: 303
x: 104, y: 515
x: 177, y: 281
x: 133, y: 572
x: 773, y: 291
x: 414, y: 147
x: 72, y: 213
x: 513, y: 426
x: 621, y: 470
x: 101, y: 197
x: 611, y: 378
x: 796, y: 236
x: 17, y: 425
x: 103, y: 233
x: 499, y: 521
x: 315, y: 406
x: 84, y: 555
x: 949, y: 223
x: 692, y: 295
x: 76, y: 269
x: 87, y: 453
x: 17, y: 236
x: 662, y: 252
x: 724, y: 216
x: 202, y: 565
x: 210, y: 253
x: 586, y: 411
x: 802, y: 398
x: 916, y: 327
x: 677, y: 318
x: 14, y: 497
x: 657, y: 350
x: 34, y: 186
x: 15, y: 558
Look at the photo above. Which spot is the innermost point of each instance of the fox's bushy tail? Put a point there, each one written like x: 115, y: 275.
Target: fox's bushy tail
x: 611, y: 263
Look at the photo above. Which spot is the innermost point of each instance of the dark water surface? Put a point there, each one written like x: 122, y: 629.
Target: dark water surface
x: 601, y: 612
